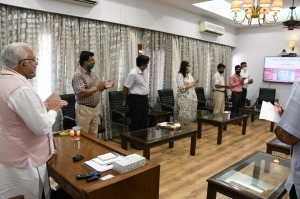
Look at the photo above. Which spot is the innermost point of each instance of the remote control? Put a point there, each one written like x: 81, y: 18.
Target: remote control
x: 88, y: 175
x: 92, y: 178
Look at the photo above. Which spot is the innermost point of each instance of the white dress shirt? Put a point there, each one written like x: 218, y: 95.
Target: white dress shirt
x: 136, y: 82
x: 25, y: 103
x: 244, y: 73
x: 218, y: 79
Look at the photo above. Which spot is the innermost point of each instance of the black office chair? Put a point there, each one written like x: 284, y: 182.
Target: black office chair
x: 202, y: 101
x: 265, y: 94
x: 68, y: 113
x: 166, y: 99
x: 119, y: 114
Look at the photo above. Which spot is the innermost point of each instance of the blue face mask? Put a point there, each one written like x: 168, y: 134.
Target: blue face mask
x: 91, y: 66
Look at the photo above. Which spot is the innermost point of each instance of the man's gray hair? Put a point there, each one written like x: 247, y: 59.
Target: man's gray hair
x: 13, y: 54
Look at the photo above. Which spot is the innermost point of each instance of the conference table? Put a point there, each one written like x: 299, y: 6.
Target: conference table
x: 139, y: 183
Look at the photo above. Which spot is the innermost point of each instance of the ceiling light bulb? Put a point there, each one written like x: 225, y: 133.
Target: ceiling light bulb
x: 265, y: 3
x: 247, y: 3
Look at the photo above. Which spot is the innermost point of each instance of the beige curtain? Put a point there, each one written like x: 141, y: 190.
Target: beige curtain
x: 111, y: 45
x: 203, y: 56
x: 57, y: 41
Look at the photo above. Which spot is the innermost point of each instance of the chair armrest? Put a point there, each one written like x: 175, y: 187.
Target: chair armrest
x: 206, y: 104
x: 118, y: 112
x: 167, y: 105
x: 121, y: 113
x: 68, y: 117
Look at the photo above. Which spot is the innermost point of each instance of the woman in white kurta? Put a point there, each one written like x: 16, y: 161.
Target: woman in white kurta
x: 186, y: 95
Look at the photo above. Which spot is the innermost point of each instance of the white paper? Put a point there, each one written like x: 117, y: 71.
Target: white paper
x: 97, y: 166
x: 269, y: 112
x: 107, y: 156
x: 97, y: 160
x: 107, y: 177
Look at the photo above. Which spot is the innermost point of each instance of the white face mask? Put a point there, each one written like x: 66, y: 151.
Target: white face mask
x: 245, y: 69
x: 32, y: 75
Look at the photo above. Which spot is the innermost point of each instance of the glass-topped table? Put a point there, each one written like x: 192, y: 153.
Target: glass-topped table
x: 249, y: 178
x: 254, y: 112
x: 155, y: 136
x: 222, y: 120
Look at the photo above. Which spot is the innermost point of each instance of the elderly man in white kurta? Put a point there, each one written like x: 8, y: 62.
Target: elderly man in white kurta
x: 26, y: 141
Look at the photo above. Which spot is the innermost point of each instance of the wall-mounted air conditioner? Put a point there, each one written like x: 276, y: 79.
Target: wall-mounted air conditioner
x: 90, y: 3
x: 211, y: 28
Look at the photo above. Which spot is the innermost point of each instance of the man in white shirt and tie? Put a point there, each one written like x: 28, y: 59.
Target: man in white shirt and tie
x: 247, y: 81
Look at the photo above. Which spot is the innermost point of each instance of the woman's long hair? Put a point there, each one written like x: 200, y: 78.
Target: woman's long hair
x: 183, y: 68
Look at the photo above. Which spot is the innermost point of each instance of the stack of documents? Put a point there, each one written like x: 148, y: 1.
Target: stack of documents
x: 103, y: 162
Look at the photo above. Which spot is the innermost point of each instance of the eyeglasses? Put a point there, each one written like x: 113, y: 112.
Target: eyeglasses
x: 36, y: 60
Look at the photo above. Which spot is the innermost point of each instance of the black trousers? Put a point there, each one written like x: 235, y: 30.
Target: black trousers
x: 139, y: 108
x: 293, y: 194
x: 244, y: 96
x: 236, y: 98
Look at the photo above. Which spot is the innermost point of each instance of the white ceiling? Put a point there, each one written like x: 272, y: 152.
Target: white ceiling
x: 220, y: 10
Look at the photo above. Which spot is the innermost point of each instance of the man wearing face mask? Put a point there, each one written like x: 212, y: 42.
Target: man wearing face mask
x: 26, y: 141
x: 247, y: 81
x: 87, y: 88
x: 236, y: 87
x: 219, y: 89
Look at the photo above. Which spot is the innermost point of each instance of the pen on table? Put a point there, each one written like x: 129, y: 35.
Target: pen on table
x: 117, y: 154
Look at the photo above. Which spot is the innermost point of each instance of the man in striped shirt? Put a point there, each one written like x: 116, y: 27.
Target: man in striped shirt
x: 87, y: 88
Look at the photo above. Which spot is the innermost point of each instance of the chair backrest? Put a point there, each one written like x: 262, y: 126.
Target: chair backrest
x: 166, y: 97
x: 68, y: 110
x: 266, y: 94
x: 200, y: 96
x: 228, y: 103
x: 116, y: 100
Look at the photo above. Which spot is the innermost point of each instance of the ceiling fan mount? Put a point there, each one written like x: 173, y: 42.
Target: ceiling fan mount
x: 292, y: 22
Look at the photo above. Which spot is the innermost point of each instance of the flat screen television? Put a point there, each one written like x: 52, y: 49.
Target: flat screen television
x: 281, y: 69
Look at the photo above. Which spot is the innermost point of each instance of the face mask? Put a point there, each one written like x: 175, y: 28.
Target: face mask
x: 245, y: 69
x: 90, y: 67
x: 32, y: 75
x: 221, y: 72
x: 189, y: 70
x: 238, y: 72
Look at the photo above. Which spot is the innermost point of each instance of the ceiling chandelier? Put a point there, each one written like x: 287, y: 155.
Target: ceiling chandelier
x: 258, y: 11
x: 292, y: 22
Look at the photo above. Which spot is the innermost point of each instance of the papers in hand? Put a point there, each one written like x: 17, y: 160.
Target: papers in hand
x: 269, y: 112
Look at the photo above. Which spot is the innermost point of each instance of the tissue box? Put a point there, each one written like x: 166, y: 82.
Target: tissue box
x: 128, y: 163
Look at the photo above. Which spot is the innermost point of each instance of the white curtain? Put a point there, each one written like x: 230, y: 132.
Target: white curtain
x: 133, y: 47
x: 158, y: 46
x: 176, y: 61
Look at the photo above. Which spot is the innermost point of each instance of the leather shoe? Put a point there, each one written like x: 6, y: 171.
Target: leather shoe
x: 137, y: 147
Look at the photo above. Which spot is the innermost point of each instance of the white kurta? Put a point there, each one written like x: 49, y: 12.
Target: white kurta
x: 29, y: 181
